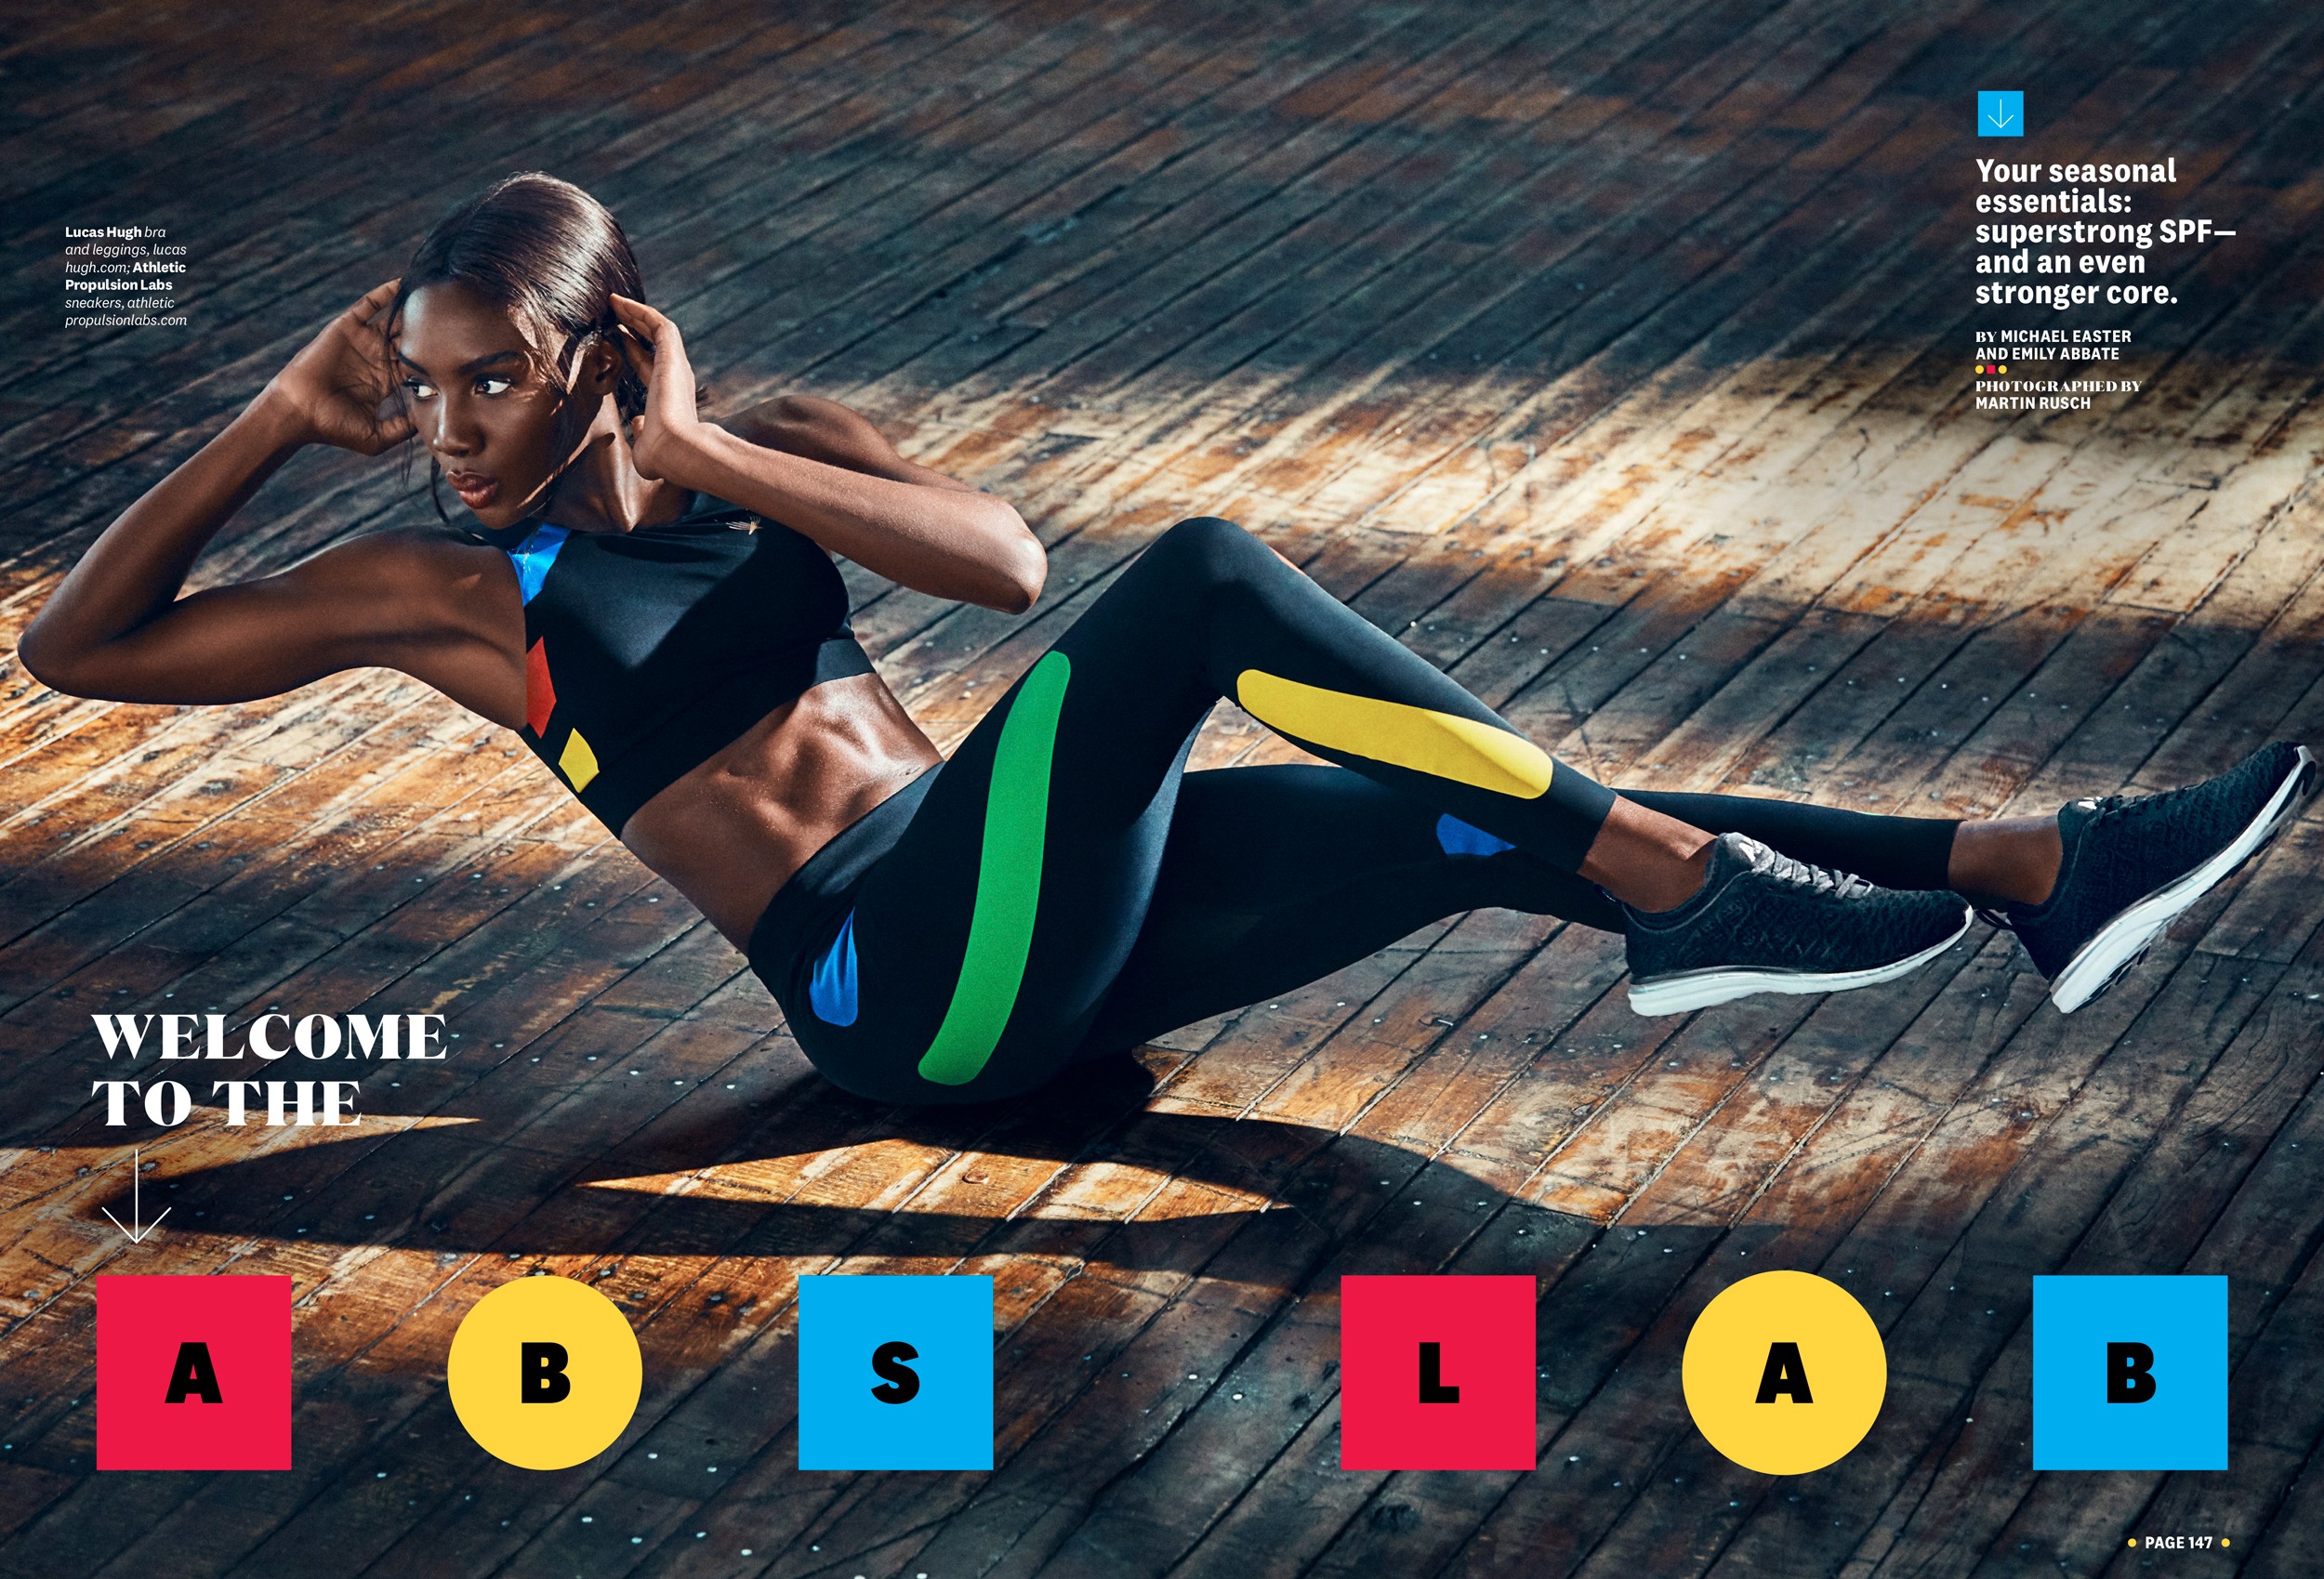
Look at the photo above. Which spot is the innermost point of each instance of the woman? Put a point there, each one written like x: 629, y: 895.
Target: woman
x: 649, y: 600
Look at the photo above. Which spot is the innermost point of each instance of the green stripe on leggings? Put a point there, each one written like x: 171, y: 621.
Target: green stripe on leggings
x: 1008, y: 880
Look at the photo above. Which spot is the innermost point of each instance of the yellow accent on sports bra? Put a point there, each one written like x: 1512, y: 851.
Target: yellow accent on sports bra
x: 577, y: 763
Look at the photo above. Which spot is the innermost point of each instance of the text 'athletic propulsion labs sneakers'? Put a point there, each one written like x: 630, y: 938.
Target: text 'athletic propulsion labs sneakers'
x: 1765, y: 922
x: 2132, y: 863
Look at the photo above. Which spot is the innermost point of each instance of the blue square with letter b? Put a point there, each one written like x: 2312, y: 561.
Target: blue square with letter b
x: 2130, y: 1372
x: 2001, y: 114
x: 895, y: 1372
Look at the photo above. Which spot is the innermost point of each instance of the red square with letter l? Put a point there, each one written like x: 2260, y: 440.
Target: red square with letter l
x: 193, y: 1373
x: 1436, y: 1372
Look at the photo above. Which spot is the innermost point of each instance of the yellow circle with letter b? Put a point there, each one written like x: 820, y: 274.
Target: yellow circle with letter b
x: 544, y: 1372
x: 1784, y: 1373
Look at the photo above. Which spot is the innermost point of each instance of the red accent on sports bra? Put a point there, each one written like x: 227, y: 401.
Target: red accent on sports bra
x: 540, y: 696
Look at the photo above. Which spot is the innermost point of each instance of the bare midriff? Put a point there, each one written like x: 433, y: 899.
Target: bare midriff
x: 731, y: 832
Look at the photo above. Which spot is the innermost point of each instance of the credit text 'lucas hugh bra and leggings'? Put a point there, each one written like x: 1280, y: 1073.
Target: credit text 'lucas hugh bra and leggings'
x: 1060, y: 888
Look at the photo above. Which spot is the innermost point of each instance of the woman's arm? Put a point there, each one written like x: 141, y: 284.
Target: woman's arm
x: 837, y: 435
x: 117, y: 628
x: 823, y: 470
x: 134, y: 570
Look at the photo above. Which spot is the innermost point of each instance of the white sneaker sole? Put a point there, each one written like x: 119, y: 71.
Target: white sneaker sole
x: 2116, y: 946
x: 1700, y: 989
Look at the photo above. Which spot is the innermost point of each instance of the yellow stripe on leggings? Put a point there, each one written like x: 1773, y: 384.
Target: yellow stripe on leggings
x: 1443, y: 744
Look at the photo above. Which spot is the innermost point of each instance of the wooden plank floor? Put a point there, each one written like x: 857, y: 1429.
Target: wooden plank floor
x: 1614, y: 357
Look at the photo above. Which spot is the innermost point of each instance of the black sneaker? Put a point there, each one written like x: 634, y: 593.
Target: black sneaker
x: 1765, y: 922
x: 2134, y: 863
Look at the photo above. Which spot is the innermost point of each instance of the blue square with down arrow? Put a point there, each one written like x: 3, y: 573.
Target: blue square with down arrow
x: 2001, y: 114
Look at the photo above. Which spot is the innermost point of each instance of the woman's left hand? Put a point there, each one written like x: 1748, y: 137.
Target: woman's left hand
x: 657, y: 355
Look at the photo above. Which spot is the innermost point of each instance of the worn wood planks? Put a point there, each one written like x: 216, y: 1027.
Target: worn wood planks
x: 1616, y: 359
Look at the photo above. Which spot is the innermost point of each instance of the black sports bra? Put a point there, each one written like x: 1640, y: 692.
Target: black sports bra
x: 647, y: 651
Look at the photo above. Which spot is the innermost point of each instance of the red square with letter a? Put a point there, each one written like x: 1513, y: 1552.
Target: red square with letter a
x: 1436, y: 1372
x: 193, y: 1373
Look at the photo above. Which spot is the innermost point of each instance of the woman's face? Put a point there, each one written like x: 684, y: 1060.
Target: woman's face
x: 486, y: 405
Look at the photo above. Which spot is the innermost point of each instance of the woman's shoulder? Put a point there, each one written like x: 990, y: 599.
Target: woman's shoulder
x: 401, y: 559
x: 422, y: 546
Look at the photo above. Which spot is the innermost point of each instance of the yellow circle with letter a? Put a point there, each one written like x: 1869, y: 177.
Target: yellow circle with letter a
x: 544, y: 1372
x: 1784, y: 1373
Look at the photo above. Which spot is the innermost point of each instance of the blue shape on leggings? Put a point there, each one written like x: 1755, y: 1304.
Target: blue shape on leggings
x: 831, y: 991
x: 1456, y: 837
x: 535, y: 555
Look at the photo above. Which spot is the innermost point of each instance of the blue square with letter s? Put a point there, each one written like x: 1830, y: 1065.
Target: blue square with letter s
x: 895, y: 1372
x: 2130, y: 1372
x: 2001, y: 114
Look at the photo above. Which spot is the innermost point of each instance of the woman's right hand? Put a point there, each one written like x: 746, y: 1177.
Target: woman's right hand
x: 333, y: 389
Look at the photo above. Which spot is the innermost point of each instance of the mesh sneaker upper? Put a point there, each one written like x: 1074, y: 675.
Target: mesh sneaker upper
x: 1762, y: 910
x: 2120, y: 849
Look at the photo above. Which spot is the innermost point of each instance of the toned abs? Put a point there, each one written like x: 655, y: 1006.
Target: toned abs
x: 733, y: 828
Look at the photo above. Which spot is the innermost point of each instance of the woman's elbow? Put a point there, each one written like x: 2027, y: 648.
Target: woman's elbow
x: 1027, y: 589
x: 1025, y: 565
x: 49, y: 662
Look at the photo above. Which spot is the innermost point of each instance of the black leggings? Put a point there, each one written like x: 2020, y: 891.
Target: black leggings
x: 1061, y: 889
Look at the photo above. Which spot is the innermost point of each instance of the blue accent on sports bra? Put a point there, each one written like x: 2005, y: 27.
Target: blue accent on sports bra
x: 535, y: 555
x: 831, y: 990
x: 1455, y: 838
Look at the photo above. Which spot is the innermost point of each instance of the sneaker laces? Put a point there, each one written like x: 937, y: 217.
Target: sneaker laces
x: 2129, y: 809
x: 2123, y: 810
x: 2126, y: 817
x: 1814, y: 879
